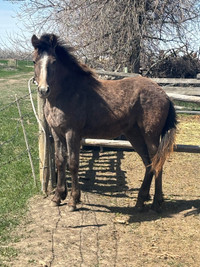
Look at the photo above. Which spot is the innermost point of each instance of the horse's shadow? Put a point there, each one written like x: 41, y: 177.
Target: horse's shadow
x: 101, y: 173
x: 170, y: 209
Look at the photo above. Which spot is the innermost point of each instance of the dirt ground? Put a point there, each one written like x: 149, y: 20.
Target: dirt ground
x: 106, y: 230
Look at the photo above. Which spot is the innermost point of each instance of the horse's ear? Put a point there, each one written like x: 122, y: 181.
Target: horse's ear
x: 34, y: 41
x: 53, y: 40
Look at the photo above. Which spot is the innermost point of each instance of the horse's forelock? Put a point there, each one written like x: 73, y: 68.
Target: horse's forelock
x: 49, y: 39
x: 46, y: 42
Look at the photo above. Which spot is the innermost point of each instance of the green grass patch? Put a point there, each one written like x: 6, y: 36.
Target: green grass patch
x: 187, y: 105
x: 8, y: 253
x: 17, y: 183
x: 12, y: 67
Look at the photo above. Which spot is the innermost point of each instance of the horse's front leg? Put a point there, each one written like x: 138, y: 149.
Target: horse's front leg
x: 73, y: 149
x: 60, y: 160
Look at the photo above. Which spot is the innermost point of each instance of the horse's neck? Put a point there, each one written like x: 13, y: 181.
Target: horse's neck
x: 68, y: 83
x: 62, y: 87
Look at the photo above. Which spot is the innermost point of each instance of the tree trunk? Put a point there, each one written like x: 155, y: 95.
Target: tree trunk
x: 134, y: 62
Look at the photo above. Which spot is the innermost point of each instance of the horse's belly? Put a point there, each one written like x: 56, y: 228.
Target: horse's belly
x: 107, y: 130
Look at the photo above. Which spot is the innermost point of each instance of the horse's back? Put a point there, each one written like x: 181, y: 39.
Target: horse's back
x: 118, y: 105
x: 139, y: 91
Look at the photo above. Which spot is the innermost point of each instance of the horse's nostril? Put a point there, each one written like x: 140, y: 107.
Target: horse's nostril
x: 44, y: 91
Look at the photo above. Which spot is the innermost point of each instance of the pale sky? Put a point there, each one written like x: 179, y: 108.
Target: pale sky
x: 9, y: 24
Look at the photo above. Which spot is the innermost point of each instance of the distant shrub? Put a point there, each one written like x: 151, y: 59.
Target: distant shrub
x: 176, y: 66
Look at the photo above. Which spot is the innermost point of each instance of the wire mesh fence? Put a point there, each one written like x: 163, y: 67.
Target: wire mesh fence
x: 16, y: 177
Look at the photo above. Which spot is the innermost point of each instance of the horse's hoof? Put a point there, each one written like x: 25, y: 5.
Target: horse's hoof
x: 140, y: 205
x: 140, y: 208
x: 72, y: 208
x: 147, y: 197
x: 156, y: 208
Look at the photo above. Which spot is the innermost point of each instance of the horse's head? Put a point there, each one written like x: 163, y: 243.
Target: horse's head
x: 54, y: 63
x: 44, y: 62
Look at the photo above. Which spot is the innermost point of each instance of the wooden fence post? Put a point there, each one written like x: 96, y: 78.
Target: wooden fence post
x: 43, y: 146
x: 46, y: 151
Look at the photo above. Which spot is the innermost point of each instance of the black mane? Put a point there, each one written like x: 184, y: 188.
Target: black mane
x: 47, y: 42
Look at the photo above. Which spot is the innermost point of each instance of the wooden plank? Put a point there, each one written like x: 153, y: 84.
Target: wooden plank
x: 116, y: 74
x: 106, y: 143
x: 176, y: 81
x: 43, y: 146
x: 126, y: 145
x: 191, y: 112
x: 188, y: 90
x: 187, y: 148
x: 192, y: 99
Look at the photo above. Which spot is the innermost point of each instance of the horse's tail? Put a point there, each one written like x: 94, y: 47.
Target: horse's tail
x: 167, y: 140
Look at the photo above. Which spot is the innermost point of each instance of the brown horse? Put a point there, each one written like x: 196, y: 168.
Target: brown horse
x: 78, y: 105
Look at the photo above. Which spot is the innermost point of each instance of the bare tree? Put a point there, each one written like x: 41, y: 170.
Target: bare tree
x: 121, y: 33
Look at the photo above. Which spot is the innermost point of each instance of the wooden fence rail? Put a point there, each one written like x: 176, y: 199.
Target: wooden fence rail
x: 126, y: 145
x: 184, y: 98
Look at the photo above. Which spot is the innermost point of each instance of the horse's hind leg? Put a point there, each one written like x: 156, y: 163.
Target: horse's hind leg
x: 143, y: 194
x: 136, y: 139
x: 60, y: 160
x: 152, y: 144
x: 73, y: 149
x: 158, y: 196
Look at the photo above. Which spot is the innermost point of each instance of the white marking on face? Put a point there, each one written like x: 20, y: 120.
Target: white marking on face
x: 43, y: 72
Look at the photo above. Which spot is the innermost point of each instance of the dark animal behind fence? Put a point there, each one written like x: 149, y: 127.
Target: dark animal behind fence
x: 78, y: 105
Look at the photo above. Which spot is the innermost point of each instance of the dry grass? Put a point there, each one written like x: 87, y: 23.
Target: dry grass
x: 189, y: 130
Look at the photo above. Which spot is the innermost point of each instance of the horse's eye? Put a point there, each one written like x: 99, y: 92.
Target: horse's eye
x: 53, y: 61
x: 33, y: 62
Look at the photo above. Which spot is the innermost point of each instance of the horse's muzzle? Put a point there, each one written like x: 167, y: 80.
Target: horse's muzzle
x: 44, y: 91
